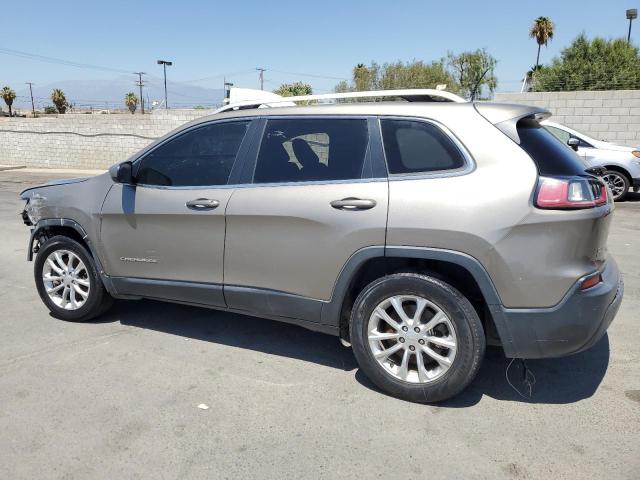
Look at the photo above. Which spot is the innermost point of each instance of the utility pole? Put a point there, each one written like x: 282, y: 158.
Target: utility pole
x: 140, y: 83
x: 33, y: 107
x: 261, y: 70
x: 164, y: 64
x: 632, y: 14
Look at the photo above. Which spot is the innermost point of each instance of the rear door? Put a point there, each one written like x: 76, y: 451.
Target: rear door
x: 315, y: 198
x: 164, y: 236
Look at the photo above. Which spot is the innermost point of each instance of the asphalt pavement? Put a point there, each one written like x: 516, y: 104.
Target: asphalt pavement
x: 119, y: 397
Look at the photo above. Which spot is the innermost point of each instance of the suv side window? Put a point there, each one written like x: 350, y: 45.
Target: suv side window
x: 200, y: 157
x: 306, y: 149
x: 416, y: 147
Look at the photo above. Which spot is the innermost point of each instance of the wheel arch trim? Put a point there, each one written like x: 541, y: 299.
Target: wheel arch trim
x: 332, y: 310
x: 69, y: 223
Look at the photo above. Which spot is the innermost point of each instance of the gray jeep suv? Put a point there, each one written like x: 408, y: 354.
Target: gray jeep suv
x: 418, y: 232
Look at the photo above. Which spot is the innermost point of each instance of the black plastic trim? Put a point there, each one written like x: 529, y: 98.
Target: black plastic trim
x: 191, y: 292
x: 274, y: 303
x: 573, y: 325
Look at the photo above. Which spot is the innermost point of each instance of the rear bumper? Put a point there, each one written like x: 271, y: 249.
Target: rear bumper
x: 574, y: 325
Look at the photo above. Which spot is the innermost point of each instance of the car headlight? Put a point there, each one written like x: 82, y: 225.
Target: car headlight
x: 636, y: 153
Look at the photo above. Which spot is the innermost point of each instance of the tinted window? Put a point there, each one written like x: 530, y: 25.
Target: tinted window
x: 412, y: 147
x: 199, y: 157
x: 564, y: 136
x: 550, y: 156
x: 558, y: 133
x: 305, y: 149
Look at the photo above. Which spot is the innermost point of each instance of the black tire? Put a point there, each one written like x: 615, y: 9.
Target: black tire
x: 98, y: 300
x: 470, y: 335
x: 621, y: 178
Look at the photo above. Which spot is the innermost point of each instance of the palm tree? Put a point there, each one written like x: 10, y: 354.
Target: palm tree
x: 8, y: 95
x: 59, y: 100
x: 131, y: 101
x: 542, y: 31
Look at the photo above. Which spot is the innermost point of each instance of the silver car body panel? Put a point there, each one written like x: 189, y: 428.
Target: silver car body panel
x: 289, y: 238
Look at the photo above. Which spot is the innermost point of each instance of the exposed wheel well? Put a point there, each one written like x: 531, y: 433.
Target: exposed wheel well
x: 452, y: 273
x: 50, y: 231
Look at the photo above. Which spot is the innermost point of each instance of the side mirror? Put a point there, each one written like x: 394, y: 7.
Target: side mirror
x: 573, y: 142
x: 122, y: 173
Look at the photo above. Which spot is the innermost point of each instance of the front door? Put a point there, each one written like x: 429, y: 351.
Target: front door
x: 164, y: 236
x: 308, y: 209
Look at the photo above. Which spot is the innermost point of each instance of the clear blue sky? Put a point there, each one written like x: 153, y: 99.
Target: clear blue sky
x: 209, y: 38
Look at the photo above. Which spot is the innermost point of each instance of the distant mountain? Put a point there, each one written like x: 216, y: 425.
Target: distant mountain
x: 101, y: 94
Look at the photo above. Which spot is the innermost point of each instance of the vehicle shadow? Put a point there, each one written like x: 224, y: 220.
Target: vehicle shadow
x: 557, y: 381
x: 632, y: 197
x: 243, y: 331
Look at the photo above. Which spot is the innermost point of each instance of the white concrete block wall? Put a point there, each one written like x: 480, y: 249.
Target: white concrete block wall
x: 83, y: 141
x: 612, y: 115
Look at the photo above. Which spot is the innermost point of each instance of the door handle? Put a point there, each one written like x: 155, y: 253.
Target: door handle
x: 352, y: 203
x: 202, y: 204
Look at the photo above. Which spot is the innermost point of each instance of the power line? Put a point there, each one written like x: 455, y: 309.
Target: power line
x: 220, y: 75
x: 312, y: 75
x: 58, y: 61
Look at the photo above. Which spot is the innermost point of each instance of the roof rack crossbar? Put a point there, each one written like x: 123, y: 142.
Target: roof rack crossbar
x: 410, y: 95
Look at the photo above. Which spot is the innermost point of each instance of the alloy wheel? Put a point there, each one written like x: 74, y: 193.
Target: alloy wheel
x: 616, y: 183
x: 412, y: 338
x: 66, y: 279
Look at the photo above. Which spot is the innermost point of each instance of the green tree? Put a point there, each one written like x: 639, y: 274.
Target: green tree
x: 131, y: 101
x: 8, y: 96
x: 59, y: 100
x: 294, y: 89
x: 397, y: 75
x: 542, y: 30
x: 473, y: 72
x: 596, y: 64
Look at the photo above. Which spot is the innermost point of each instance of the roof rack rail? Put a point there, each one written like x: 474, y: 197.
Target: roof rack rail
x: 410, y: 95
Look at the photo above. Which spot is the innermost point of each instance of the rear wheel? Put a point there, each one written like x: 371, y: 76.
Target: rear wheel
x: 618, y: 184
x: 68, y: 281
x: 416, y: 337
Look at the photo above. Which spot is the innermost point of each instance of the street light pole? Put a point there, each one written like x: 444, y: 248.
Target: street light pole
x: 164, y: 64
x: 632, y: 14
x: 227, y: 91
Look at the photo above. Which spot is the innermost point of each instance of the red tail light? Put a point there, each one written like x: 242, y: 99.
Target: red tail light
x: 570, y: 193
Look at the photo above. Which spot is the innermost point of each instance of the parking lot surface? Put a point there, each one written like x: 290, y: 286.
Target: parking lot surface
x: 118, y: 398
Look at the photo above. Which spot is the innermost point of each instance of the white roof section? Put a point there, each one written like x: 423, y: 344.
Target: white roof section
x: 268, y: 100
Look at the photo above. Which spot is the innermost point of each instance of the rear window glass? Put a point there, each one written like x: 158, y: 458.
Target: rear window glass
x: 549, y: 154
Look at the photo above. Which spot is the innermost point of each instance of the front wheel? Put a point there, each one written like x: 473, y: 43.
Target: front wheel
x: 416, y: 337
x: 618, y: 184
x: 68, y: 281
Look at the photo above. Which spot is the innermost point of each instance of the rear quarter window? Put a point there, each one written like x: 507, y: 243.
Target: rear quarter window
x: 549, y: 154
x: 415, y: 147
